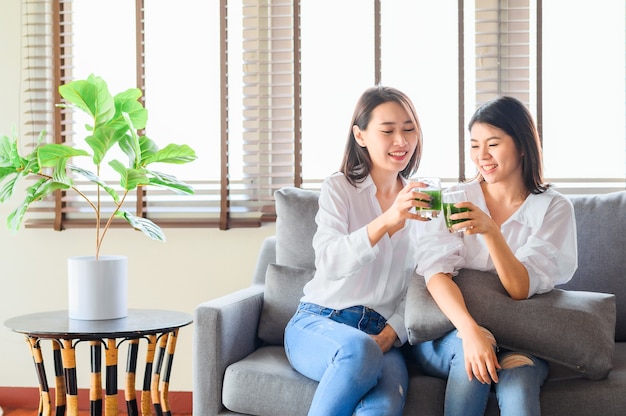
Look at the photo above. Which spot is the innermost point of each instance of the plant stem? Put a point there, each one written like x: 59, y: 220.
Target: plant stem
x: 98, y: 204
x: 108, y: 224
x: 73, y: 188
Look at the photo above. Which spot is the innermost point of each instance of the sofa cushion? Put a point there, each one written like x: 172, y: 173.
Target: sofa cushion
x: 283, y: 290
x: 601, y: 230
x: 295, y: 225
x: 571, y: 328
x: 263, y: 383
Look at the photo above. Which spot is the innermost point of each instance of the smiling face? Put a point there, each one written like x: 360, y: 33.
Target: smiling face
x: 495, y: 155
x: 390, y: 137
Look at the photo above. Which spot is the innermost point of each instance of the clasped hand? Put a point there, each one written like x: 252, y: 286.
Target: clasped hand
x: 385, y: 338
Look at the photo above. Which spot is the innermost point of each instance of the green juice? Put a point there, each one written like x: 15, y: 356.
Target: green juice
x: 435, y: 200
x: 449, y: 209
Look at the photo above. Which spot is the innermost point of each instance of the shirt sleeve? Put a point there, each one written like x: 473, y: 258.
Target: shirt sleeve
x: 439, y: 251
x: 396, y: 321
x: 339, y: 253
x: 550, y: 254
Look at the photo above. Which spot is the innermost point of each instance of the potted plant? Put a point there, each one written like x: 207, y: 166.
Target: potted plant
x: 116, y: 122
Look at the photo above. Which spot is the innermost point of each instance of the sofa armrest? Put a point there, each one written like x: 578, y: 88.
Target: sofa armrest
x: 225, y: 332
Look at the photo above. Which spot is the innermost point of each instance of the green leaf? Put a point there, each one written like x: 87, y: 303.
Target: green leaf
x: 144, y: 225
x: 128, y: 102
x: 102, y: 139
x: 41, y: 137
x: 48, y: 155
x: 172, y: 153
x: 7, y: 150
x: 133, y: 142
x: 169, y: 181
x: 130, y: 178
x: 91, y: 96
x: 6, y: 191
x: 15, y: 218
x: 59, y: 174
x: 130, y: 115
x: 92, y: 177
x: 37, y: 191
x: 45, y: 188
x: 148, y: 147
x: 31, y: 163
x: 127, y: 147
x: 5, y: 172
x: 9, y: 154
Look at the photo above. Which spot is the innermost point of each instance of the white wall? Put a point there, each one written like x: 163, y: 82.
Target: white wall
x: 193, y: 266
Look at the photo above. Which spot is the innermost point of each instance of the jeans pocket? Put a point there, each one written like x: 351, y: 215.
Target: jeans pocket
x: 313, y: 309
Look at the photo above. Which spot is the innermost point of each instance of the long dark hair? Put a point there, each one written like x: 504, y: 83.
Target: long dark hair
x: 357, y: 164
x: 511, y: 116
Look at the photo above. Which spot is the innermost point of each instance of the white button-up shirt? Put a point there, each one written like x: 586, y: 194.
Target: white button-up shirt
x: 350, y: 271
x: 541, y: 234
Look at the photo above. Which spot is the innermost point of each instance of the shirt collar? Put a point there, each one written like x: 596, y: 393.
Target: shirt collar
x: 368, y: 183
x: 534, y: 208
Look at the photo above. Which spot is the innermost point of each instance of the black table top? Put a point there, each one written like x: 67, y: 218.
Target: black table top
x: 57, y: 324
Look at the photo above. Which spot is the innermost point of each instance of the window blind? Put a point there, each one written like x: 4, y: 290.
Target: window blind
x: 268, y: 136
x: 46, y: 63
x: 502, y: 49
x: 253, y: 120
x: 271, y: 102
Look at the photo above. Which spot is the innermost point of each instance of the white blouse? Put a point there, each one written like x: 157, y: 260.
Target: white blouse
x: 541, y: 234
x: 350, y: 271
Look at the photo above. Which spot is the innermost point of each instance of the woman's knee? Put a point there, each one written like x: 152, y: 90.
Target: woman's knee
x: 515, y: 359
x: 362, y: 350
x: 523, y: 369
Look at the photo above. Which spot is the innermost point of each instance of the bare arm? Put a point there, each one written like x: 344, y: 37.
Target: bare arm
x: 480, y: 356
x: 394, y: 217
x: 510, y: 270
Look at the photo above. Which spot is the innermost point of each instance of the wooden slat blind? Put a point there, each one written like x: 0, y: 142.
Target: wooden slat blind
x: 259, y: 79
x: 502, y: 49
x: 271, y: 100
x: 271, y: 117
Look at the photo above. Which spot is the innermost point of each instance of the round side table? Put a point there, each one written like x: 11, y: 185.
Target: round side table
x: 158, y: 327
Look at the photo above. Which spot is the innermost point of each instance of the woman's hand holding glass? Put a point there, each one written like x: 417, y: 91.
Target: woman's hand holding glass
x: 403, y: 207
x: 454, y: 203
x: 428, y: 196
x: 463, y: 216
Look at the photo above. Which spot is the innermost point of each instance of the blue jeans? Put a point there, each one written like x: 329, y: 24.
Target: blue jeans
x: 355, y: 377
x: 517, y: 390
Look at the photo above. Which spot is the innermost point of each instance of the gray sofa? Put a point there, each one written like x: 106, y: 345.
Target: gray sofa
x: 240, y: 367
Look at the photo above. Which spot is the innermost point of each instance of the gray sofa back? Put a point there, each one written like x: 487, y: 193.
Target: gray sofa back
x: 601, y: 230
x: 600, y: 223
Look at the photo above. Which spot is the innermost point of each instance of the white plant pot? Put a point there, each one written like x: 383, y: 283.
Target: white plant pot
x: 97, y: 289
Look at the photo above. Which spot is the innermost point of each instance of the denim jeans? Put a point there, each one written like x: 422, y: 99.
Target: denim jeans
x: 517, y: 390
x: 334, y: 348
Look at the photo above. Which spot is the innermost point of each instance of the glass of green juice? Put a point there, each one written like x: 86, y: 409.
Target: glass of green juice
x: 433, y: 189
x: 450, y: 198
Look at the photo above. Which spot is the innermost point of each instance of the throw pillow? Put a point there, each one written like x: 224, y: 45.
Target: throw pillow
x: 295, y: 225
x: 573, y: 328
x: 283, y: 290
